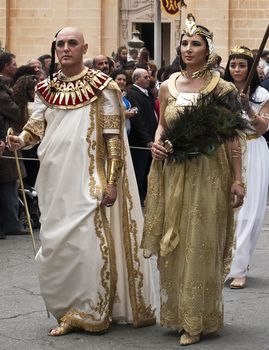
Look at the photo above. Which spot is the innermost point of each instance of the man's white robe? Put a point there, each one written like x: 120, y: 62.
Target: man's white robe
x: 90, y: 266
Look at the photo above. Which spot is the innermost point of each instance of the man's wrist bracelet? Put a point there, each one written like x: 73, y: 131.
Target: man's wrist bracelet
x: 114, y: 163
x: 113, y: 171
x: 26, y: 138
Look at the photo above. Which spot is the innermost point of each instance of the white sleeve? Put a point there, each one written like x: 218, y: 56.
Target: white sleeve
x: 111, y: 113
x: 36, y: 124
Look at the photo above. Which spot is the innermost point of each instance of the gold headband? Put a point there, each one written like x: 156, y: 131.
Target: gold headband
x: 239, y: 50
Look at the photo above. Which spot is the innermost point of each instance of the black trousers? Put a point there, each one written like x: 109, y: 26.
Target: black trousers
x: 9, y: 207
x: 31, y: 166
x: 141, y: 160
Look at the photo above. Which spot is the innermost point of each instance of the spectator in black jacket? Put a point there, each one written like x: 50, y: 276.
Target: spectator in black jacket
x: 143, y: 127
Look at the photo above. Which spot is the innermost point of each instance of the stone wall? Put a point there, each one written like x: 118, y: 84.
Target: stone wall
x: 28, y: 26
x: 3, y: 24
x: 248, y: 20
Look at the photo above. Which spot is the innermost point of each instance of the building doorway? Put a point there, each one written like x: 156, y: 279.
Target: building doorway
x: 147, y: 35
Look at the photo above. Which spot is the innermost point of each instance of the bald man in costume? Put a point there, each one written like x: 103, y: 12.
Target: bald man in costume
x: 91, y: 271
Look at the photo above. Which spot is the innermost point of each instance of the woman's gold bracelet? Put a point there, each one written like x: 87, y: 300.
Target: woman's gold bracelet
x: 265, y: 115
x: 240, y: 183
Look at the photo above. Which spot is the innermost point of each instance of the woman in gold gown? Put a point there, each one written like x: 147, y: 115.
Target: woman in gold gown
x: 189, y: 209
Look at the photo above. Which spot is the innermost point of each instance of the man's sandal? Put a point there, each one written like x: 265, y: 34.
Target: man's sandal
x: 238, y: 283
x: 62, y: 329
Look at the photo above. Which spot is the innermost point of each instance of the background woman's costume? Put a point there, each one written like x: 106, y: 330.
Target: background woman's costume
x: 189, y: 224
x: 251, y: 215
x: 90, y: 268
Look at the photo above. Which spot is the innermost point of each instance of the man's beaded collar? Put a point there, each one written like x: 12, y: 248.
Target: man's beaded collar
x: 72, y: 92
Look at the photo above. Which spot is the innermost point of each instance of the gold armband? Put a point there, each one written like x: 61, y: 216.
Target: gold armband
x: 114, y: 148
x: 114, y: 154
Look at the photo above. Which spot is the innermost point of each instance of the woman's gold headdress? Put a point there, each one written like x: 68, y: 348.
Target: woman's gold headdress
x: 192, y: 29
x: 241, y: 50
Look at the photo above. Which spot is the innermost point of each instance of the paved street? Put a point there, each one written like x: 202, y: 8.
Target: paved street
x: 24, y: 324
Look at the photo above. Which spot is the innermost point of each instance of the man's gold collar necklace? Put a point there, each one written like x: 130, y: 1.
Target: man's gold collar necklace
x: 72, y: 92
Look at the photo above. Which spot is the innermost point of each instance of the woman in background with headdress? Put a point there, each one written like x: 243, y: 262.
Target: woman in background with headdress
x: 256, y: 112
x: 189, y: 214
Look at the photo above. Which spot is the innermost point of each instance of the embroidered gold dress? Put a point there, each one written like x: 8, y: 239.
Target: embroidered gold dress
x: 189, y: 224
x: 90, y: 268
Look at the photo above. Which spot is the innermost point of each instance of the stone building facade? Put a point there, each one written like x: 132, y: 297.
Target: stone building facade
x: 28, y: 26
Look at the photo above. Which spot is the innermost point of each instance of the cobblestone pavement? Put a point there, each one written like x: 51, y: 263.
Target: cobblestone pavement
x: 24, y: 324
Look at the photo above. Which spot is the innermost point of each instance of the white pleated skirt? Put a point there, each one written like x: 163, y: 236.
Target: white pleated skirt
x: 251, y: 215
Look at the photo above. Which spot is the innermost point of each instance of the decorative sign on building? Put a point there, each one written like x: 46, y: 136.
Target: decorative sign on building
x: 172, y: 7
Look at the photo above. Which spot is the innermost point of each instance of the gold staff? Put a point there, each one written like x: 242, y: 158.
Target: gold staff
x: 10, y: 132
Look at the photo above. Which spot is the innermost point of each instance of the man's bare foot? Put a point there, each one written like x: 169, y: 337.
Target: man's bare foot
x: 238, y: 283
